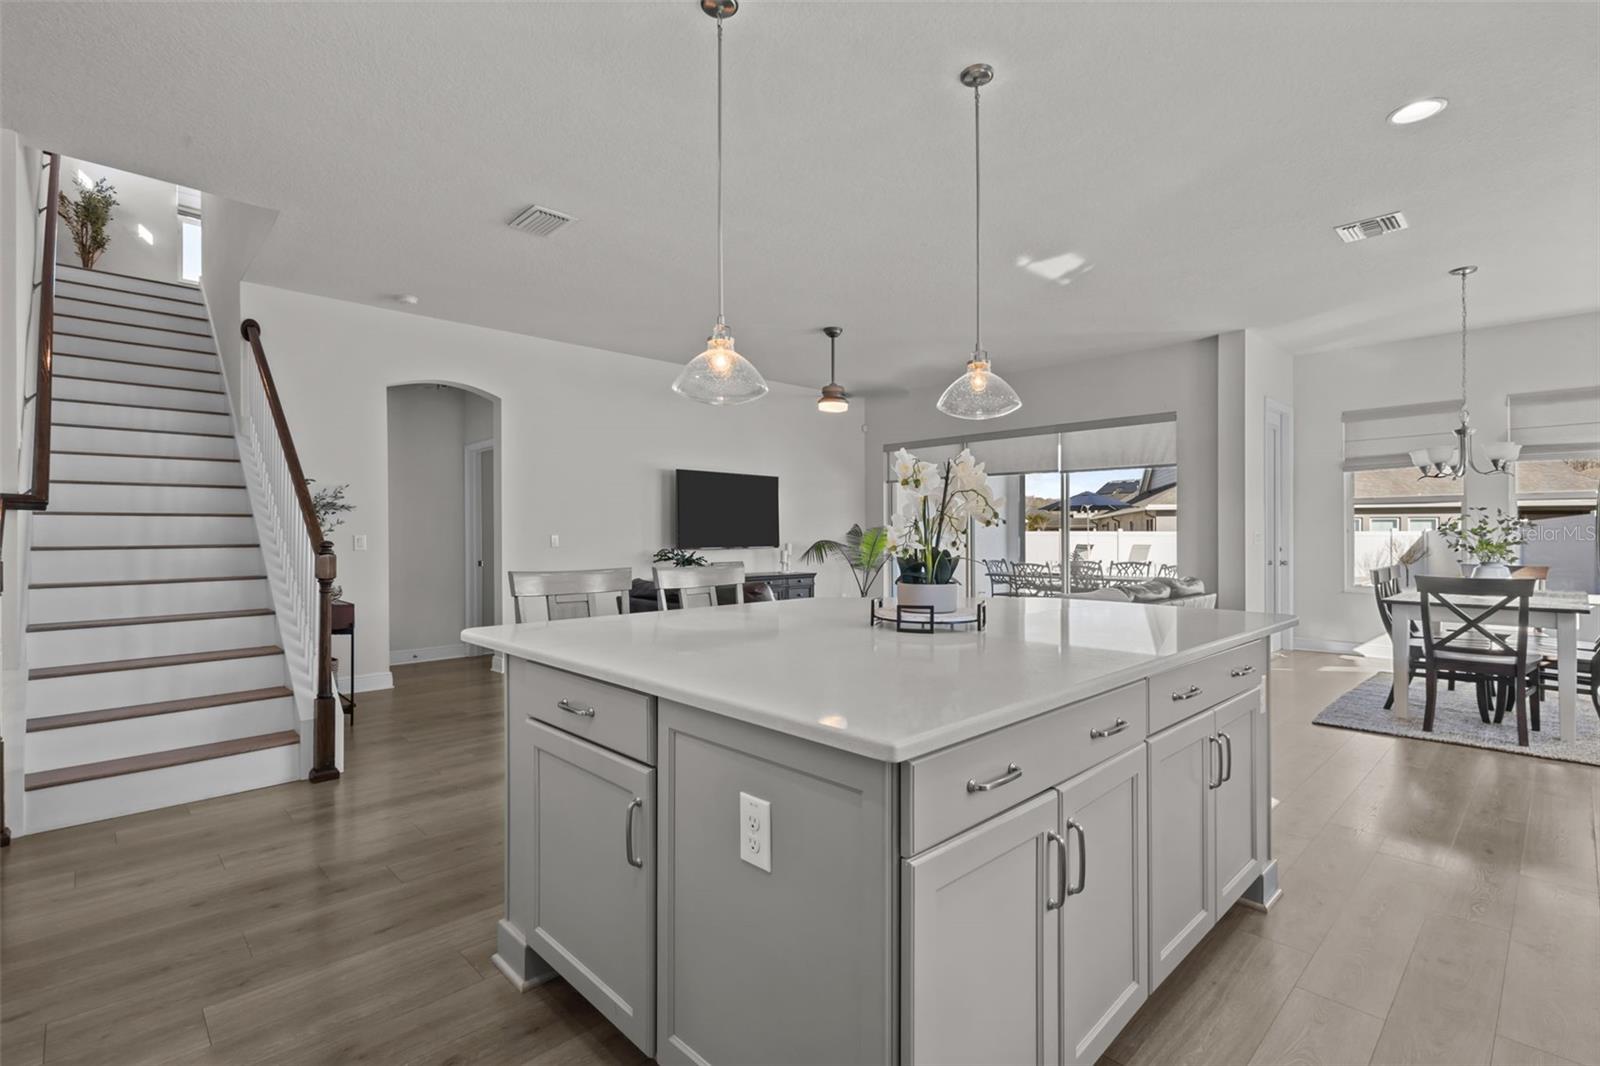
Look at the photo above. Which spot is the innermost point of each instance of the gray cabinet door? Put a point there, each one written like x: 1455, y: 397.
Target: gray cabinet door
x: 1104, y: 954
x: 1183, y: 766
x: 589, y: 854
x: 980, y: 943
x: 1240, y: 838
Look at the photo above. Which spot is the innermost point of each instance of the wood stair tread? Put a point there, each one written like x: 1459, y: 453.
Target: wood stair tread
x: 147, y: 514
x: 133, y: 547
x: 153, y: 662
x: 148, y: 620
x: 137, y: 429
x: 137, y: 362
x: 136, y: 384
x: 139, y: 406
x: 156, y: 760
x: 146, y: 484
x: 144, y: 581
x: 145, y: 710
x: 184, y: 285
x: 132, y: 325
x: 146, y: 455
x: 126, y: 307
x: 60, y: 280
x: 133, y: 344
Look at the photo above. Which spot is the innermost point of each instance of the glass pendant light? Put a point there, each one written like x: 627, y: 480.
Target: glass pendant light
x: 720, y: 375
x: 979, y: 392
x: 833, y: 400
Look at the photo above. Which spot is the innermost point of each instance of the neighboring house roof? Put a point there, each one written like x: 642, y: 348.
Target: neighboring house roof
x: 1566, y: 478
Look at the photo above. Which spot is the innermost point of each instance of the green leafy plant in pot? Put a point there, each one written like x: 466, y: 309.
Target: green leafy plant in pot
x: 938, y: 505
x: 330, y: 507
x: 865, y: 550
x: 1490, y: 539
x: 87, y: 217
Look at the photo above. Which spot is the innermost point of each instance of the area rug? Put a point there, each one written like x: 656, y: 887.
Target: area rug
x: 1456, y: 721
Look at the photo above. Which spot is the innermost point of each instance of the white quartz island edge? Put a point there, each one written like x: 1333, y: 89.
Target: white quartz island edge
x: 816, y: 670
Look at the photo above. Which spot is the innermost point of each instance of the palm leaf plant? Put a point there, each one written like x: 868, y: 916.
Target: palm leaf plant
x: 865, y: 550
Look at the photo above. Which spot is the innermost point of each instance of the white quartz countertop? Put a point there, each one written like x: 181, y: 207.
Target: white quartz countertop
x: 815, y: 669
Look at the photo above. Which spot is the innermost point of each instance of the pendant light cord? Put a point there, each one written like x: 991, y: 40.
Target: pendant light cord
x: 721, y: 320
x: 977, y: 228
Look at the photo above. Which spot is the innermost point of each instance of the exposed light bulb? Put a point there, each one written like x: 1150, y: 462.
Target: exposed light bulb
x: 978, y: 375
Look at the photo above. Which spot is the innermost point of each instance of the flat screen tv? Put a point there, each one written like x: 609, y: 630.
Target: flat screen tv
x: 717, y: 510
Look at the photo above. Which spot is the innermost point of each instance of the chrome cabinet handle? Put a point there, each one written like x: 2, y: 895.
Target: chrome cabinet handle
x: 1110, y: 731
x: 1241, y: 671
x: 1057, y: 841
x: 637, y: 862
x: 572, y: 708
x: 1187, y: 694
x: 1214, y: 771
x: 1013, y: 771
x: 1083, y: 858
x: 1227, y: 774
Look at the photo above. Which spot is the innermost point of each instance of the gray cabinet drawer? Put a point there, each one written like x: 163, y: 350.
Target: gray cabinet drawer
x: 612, y: 717
x: 955, y: 789
x: 1186, y: 690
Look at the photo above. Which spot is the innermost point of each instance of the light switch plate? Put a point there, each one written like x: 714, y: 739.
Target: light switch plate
x: 755, y: 831
x: 359, y: 542
x: 555, y: 540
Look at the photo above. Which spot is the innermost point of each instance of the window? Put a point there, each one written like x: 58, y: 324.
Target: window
x: 1390, y: 509
x: 191, y: 250
x: 1552, y: 488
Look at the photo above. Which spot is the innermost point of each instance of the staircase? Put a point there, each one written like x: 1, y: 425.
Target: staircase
x: 155, y: 675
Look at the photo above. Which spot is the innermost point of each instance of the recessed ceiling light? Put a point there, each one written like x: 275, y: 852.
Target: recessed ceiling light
x: 1417, y: 111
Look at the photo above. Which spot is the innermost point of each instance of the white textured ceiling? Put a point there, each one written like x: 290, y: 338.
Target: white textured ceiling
x: 1195, y: 156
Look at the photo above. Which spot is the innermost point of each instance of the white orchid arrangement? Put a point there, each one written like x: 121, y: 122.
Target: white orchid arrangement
x: 928, y: 531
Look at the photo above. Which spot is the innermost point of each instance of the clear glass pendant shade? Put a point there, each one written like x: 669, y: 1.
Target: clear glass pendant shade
x: 720, y: 375
x: 979, y: 392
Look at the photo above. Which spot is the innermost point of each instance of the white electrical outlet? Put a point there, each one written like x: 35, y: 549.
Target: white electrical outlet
x: 555, y: 540
x: 755, y: 831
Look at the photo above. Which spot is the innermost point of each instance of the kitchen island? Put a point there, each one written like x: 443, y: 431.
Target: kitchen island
x: 778, y: 833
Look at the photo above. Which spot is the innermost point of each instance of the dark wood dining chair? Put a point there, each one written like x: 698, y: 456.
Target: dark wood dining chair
x: 1457, y: 637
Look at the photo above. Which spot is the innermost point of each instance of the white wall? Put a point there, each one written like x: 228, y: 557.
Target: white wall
x: 1181, y: 378
x: 429, y: 428
x: 1250, y: 371
x: 589, y: 441
x: 234, y: 234
x: 1548, y: 354
x: 140, y: 201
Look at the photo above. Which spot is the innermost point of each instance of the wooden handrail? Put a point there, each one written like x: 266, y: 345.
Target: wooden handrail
x: 324, y: 766
x: 37, y: 496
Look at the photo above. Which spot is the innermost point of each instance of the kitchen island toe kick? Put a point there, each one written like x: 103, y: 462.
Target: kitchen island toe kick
x: 769, y: 833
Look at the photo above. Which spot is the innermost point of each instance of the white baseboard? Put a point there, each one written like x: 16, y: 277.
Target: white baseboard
x: 428, y: 655
x: 367, y: 682
x: 1337, y: 647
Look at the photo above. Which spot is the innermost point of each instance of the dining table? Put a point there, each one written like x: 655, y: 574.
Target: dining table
x: 1548, y: 610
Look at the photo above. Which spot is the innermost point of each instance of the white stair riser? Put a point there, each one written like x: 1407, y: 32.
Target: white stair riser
x: 99, y: 414
x: 132, y: 601
x: 138, y: 353
x: 119, y: 688
x: 51, y: 749
x: 117, y: 331
x: 65, y: 272
x: 129, y: 468
x: 65, y: 529
x: 173, y: 316
x: 150, y: 373
x: 69, y: 497
x: 140, y: 395
x: 74, y: 290
x: 135, y: 564
x: 63, y: 647
x: 110, y: 797
x: 136, y: 442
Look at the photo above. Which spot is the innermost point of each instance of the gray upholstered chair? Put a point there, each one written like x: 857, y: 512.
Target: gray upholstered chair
x: 568, y: 593
x: 697, y: 586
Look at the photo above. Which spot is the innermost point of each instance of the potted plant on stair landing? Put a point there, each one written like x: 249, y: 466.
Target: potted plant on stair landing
x: 938, y: 504
x: 87, y: 217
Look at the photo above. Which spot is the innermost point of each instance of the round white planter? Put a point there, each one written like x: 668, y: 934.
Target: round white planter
x: 1491, y: 570
x: 942, y: 598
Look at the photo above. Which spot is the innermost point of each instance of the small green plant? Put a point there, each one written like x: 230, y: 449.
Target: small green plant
x: 330, y: 506
x: 1488, y: 539
x: 866, y: 550
x: 87, y: 217
x: 679, y: 557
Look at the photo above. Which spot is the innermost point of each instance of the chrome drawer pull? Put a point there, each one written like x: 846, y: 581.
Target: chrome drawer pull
x: 1053, y: 838
x: 1013, y: 771
x: 1187, y: 694
x: 1241, y: 671
x: 637, y: 862
x: 1109, y: 731
x: 1227, y: 772
x: 572, y: 708
x: 1214, y: 770
x: 1083, y: 858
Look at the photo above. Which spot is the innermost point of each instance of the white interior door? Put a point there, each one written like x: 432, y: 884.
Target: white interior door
x: 1277, y: 502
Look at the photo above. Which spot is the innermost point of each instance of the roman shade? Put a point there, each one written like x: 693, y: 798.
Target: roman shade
x: 1150, y: 441
x: 1378, y: 438
x: 1031, y: 454
x: 1561, y: 424
x: 1137, y: 444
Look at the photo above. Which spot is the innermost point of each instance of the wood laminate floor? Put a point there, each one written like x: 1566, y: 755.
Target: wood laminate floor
x: 1441, y: 904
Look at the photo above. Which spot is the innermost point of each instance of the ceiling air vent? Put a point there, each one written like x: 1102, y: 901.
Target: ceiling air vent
x: 540, y: 221
x: 1370, y: 227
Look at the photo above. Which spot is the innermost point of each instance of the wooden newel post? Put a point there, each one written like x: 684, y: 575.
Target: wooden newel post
x: 323, y: 765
